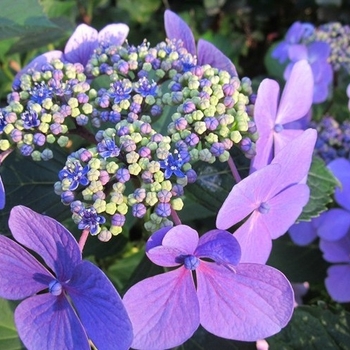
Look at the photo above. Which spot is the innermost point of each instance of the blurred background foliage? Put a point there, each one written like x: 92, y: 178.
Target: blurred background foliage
x: 243, y: 29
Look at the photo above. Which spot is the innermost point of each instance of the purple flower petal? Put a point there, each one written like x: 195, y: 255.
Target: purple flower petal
x: 21, y: 275
x: 318, y: 51
x: 251, y: 303
x: 113, y: 34
x: 53, y: 242
x: 219, y: 246
x: 338, y: 283
x: 163, y: 309
x: 335, y: 224
x: 168, y: 244
x: 177, y: 28
x: 39, y: 61
x: 247, y: 195
x: 210, y: 54
x: 304, y: 232
x: 283, y: 139
x: 265, y: 111
x: 341, y: 170
x: 284, y: 210
x: 297, y: 52
x: 297, y: 95
x: 255, y: 247
x: 81, y: 44
x: 255, y: 235
x: 100, y: 308
x: 295, y: 159
x: 49, y: 322
x: 2, y: 195
x: 336, y: 251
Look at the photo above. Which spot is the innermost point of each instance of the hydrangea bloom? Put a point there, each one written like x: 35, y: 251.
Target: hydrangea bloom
x: 82, y: 44
x: 272, y: 117
x: 338, y: 279
x: 296, y: 33
x: 317, y: 54
x: 231, y: 300
x: 64, y: 308
x: 207, y: 53
x: 272, y: 197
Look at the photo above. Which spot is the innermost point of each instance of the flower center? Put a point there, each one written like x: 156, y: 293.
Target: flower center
x: 264, y: 208
x: 191, y: 262
x: 278, y: 128
x: 55, y: 288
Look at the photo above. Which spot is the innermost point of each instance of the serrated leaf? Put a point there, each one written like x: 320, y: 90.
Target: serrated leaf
x: 21, y: 17
x: 315, y: 327
x: 31, y: 184
x: 322, y: 184
x: 9, y: 339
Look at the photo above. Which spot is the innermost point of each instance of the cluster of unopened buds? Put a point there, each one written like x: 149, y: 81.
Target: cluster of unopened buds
x: 149, y: 113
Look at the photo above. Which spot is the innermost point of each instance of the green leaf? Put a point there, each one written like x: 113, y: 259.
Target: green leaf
x: 9, y: 339
x: 273, y: 67
x: 322, y: 184
x: 31, y: 184
x: 120, y: 272
x: 140, y: 11
x: 315, y: 327
x: 299, y: 264
x: 21, y: 17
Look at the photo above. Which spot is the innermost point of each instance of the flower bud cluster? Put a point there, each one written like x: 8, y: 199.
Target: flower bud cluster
x: 98, y: 178
x: 333, y: 139
x: 42, y: 107
x: 338, y: 38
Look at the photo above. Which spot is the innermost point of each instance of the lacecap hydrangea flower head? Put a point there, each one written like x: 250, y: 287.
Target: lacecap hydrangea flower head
x: 207, y: 285
x: 69, y: 302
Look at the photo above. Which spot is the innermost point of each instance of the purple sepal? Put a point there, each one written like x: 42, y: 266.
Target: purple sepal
x: 249, y: 303
x: 49, y: 322
x: 113, y: 34
x: 174, y: 315
x: 25, y: 277
x: 177, y: 28
x: 335, y: 224
x: 99, y: 308
x: 210, y: 54
x: 219, y: 246
x: 336, y: 251
x: 165, y: 245
x: 45, y: 236
x: 81, y: 44
x: 2, y: 195
x: 338, y: 283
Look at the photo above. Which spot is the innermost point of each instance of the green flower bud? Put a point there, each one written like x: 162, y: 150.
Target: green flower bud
x: 111, y: 208
x: 36, y: 156
x: 177, y: 204
x: 100, y: 205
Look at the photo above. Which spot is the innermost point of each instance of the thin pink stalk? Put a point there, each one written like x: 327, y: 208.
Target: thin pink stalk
x: 175, y: 217
x: 83, y: 239
x: 234, y: 170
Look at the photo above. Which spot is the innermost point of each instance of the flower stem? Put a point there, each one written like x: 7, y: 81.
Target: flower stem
x: 175, y: 217
x: 83, y: 239
x: 234, y: 170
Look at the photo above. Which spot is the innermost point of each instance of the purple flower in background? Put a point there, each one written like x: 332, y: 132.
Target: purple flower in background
x: 338, y: 279
x: 305, y: 232
x: 207, y: 53
x: 64, y: 308
x: 272, y: 197
x: 271, y: 117
x: 336, y: 221
x: 231, y: 300
x: 81, y: 45
x: 295, y: 35
x: 317, y: 54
